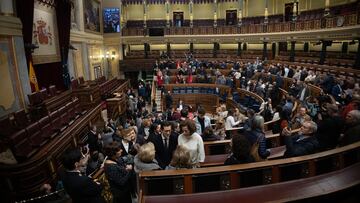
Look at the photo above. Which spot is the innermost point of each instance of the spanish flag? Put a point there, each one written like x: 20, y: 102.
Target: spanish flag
x: 32, y: 76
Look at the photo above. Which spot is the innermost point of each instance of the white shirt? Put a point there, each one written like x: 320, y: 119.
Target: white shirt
x: 286, y: 72
x: 302, y: 95
x: 195, y: 145
x: 230, y: 122
x: 126, y: 146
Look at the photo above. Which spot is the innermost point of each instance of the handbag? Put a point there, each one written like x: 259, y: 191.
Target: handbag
x: 254, y: 151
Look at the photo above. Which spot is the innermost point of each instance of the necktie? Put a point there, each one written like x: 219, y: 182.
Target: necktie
x: 166, y: 143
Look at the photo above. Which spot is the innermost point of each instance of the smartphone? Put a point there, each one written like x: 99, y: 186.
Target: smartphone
x: 289, y: 126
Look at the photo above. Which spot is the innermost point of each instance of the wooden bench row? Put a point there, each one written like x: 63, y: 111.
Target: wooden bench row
x: 186, y: 93
x: 23, y: 180
x: 337, y: 71
x: 27, y: 141
x: 310, y: 189
x: 247, y: 175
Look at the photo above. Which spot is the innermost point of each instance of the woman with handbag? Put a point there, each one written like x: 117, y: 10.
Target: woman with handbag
x: 256, y: 137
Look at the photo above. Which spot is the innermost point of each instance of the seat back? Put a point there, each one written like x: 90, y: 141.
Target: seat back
x: 23, y: 150
x: 34, y: 135
x: 21, y: 118
x: 35, y: 98
x: 55, y: 120
x: 43, y: 94
x: 52, y: 90
x: 64, y: 117
x: 17, y: 137
x: 6, y: 127
x: 46, y: 127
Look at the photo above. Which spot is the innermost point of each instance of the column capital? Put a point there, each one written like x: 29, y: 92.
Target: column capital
x: 7, y: 8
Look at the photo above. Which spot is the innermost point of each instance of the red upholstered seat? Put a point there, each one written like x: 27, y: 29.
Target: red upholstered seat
x: 6, y: 127
x: 34, y: 135
x: 71, y: 111
x: 44, y: 94
x: 64, y: 117
x: 77, y: 107
x: 23, y: 149
x: 34, y: 98
x: 17, y: 137
x: 81, y: 80
x: 46, y: 127
x: 55, y: 120
x: 52, y: 90
x: 21, y: 119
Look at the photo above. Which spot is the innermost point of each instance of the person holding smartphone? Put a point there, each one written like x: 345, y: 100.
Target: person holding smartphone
x: 302, y: 143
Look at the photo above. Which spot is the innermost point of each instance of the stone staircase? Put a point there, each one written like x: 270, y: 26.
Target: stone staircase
x: 158, y: 99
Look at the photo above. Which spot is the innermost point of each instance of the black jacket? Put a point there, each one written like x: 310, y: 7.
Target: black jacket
x: 296, y: 147
x: 162, y: 155
x: 94, y: 142
x: 81, y: 188
x: 329, y: 131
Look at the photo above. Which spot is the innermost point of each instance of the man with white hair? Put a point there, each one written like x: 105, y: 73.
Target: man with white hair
x: 305, y: 142
x: 352, y: 134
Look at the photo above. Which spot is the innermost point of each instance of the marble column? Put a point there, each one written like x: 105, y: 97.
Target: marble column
x: 292, y: 52
x: 168, y: 49
x: 294, y: 17
x: 327, y: 8
x: 167, y: 11
x: 240, y: 8
x: 215, y: 13
x: 145, y: 13
x: 264, y: 57
x: 323, y: 52
x: 191, y: 6
x: 266, y: 13
x: 239, y: 49
x: 7, y: 8
x: 357, y: 60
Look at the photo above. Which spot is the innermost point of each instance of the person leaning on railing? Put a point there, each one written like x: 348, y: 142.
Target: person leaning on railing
x: 304, y: 142
x: 80, y: 188
x: 118, y: 173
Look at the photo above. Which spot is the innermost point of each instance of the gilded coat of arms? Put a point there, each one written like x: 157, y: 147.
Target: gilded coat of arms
x: 42, y: 33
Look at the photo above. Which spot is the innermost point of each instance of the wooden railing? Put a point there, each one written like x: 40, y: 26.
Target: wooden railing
x: 337, y: 186
x: 23, y: 180
x: 245, y: 175
x: 338, y: 71
x: 197, y: 93
x: 317, y: 24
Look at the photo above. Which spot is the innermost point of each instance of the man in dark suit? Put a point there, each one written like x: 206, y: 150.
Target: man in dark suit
x: 337, y: 92
x: 80, y: 188
x: 304, y: 143
x: 94, y: 140
x: 304, y: 92
x: 165, y: 144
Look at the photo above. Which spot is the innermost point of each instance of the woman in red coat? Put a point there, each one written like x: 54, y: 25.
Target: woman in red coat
x: 160, y: 79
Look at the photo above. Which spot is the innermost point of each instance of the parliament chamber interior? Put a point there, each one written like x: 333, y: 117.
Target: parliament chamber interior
x: 141, y: 101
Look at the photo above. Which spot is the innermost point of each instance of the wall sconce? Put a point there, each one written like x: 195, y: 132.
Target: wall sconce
x: 112, y: 55
x: 107, y: 55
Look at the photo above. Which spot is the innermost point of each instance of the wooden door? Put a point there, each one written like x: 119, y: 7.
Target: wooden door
x: 178, y: 19
x: 231, y: 17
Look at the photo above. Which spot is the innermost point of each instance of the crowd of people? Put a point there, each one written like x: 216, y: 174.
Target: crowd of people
x: 174, y: 139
